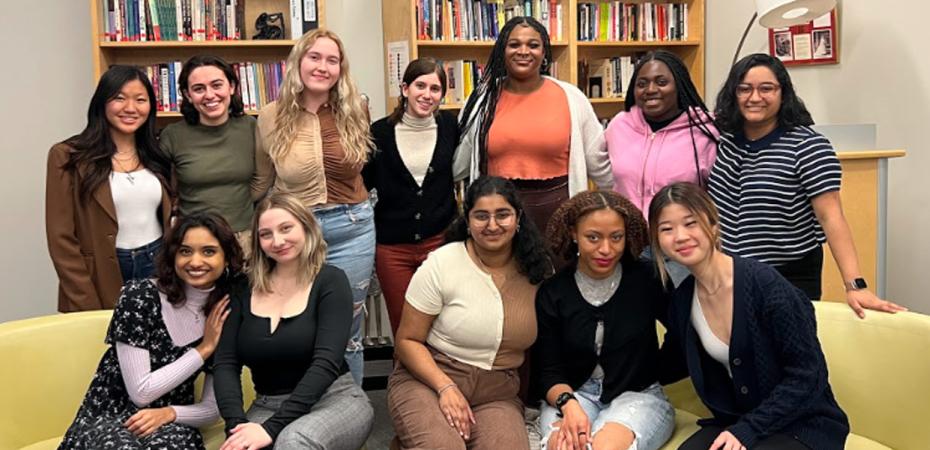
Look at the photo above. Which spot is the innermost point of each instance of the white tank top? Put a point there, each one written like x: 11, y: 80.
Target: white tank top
x: 717, y: 349
x: 137, y: 198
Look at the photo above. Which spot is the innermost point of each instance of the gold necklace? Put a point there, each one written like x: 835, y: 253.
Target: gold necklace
x: 501, y: 273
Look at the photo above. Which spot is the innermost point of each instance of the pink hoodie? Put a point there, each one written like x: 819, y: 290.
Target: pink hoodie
x: 644, y: 162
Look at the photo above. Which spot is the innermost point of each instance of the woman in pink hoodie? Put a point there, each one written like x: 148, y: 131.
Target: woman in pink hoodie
x: 665, y: 134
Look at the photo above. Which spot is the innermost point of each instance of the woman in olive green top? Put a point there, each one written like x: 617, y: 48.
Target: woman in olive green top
x: 212, y: 151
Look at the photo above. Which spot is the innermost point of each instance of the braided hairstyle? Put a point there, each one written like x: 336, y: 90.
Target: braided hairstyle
x: 482, y: 103
x: 688, y: 98
x: 559, y: 231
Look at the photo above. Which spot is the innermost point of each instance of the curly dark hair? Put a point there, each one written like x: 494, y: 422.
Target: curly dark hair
x: 559, y: 230
x: 792, y: 112
x: 482, y: 103
x: 190, y: 113
x: 529, y: 249
x: 167, y: 279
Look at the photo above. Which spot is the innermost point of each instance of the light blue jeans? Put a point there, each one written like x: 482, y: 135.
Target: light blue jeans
x: 349, y: 232
x: 648, y: 414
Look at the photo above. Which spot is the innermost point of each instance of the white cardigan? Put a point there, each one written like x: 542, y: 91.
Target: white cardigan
x: 587, y: 151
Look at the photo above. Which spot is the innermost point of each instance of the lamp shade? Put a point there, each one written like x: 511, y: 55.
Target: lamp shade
x: 785, y: 13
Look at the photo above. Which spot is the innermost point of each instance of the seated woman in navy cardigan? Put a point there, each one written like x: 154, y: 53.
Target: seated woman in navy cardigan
x: 749, y: 338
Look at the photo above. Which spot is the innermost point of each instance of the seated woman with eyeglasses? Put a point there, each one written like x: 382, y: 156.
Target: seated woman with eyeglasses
x: 776, y: 183
x: 468, y: 320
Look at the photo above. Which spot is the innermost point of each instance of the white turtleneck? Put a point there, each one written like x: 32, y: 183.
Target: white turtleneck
x: 416, y: 140
x: 185, y: 325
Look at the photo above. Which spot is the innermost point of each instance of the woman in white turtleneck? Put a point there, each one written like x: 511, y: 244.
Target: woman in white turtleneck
x: 412, y: 171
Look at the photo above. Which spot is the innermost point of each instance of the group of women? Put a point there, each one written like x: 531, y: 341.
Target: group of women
x: 537, y: 272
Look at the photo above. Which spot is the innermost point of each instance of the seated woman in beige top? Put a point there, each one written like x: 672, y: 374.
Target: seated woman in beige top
x: 468, y: 320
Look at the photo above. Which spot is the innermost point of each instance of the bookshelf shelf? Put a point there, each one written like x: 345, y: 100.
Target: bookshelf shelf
x: 399, y: 21
x: 660, y: 44
x: 154, y: 54
x: 469, y: 44
x: 198, y: 44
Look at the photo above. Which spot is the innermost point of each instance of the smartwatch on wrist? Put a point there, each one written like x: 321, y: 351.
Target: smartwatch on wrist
x: 562, y: 399
x: 856, y: 285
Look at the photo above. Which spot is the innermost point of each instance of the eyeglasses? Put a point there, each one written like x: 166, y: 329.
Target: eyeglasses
x: 764, y: 89
x: 503, y: 218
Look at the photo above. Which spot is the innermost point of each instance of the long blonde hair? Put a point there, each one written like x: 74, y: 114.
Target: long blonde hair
x: 311, y: 257
x: 348, y: 107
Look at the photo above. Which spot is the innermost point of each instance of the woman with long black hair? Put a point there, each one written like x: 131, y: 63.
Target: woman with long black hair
x: 106, y: 200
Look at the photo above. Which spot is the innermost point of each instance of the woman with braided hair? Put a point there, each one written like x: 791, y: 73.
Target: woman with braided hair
x: 666, y: 134
x: 596, y: 360
x: 548, y: 157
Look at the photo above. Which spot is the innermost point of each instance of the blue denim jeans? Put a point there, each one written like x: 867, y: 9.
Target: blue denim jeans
x: 138, y: 263
x: 349, y: 232
x: 648, y: 414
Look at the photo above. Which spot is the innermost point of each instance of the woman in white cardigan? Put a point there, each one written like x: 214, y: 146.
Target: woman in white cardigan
x: 538, y: 132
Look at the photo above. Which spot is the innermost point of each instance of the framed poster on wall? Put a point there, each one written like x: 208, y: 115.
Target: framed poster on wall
x: 815, y: 42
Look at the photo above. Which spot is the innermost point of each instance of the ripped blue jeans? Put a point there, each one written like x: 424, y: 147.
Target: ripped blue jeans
x: 349, y: 232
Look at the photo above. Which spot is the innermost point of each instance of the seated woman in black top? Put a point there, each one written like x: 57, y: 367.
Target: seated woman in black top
x: 412, y: 171
x: 290, y: 328
x: 596, y: 358
x: 749, y: 338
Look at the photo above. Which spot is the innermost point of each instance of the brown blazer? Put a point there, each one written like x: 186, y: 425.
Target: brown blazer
x: 82, y: 237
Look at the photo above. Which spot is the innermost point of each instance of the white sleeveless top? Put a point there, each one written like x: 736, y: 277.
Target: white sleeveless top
x: 717, y: 349
x: 137, y: 198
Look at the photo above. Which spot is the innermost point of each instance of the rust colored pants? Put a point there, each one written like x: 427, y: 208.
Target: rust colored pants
x: 395, y: 265
x: 492, y: 395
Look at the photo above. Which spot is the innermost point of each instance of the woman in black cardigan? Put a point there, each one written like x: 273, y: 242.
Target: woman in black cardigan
x: 749, y: 338
x: 596, y: 360
x: 412, y: 170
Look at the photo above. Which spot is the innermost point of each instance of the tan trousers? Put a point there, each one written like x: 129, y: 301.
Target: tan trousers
x: 492, y: 394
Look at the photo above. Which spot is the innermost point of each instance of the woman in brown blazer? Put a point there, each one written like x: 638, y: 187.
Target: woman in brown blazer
x: 106, y: 202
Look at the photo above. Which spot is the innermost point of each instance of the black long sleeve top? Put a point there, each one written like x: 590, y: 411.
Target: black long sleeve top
x: 630, y: 357
x: 779, y: 382
x: 302, y: 357
x: 407, y: 213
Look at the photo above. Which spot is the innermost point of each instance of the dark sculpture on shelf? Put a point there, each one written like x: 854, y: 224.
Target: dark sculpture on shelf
x: 269, y: 26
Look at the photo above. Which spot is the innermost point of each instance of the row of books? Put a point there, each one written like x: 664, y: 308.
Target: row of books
x: 482, y: 20
x: 172, y: 20
x: 619, y: 21
x: 462, y: 75
x: 605, y: 77
x: 259, y: 83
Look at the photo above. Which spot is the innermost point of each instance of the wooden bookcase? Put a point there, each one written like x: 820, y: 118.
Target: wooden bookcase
x: 106, y: 54
x: 399, y: 19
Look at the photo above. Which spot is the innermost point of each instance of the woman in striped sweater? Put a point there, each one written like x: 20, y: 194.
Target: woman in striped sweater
x: 776, y: 183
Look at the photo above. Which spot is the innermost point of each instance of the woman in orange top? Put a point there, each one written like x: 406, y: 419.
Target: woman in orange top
x: 550, y: 156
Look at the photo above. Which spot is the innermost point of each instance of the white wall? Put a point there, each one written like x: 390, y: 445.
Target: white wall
x: 46, y: 85
x: 883, y: 77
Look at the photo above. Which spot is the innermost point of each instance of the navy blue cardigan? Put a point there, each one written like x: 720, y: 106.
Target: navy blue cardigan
x: 779, y: 382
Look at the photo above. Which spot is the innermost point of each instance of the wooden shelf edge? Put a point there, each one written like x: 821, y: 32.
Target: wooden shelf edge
x: 638, y: 43
x: 478, y: 44
x: 870, y: 154
x: 606, y: 100
x: 195, y: 44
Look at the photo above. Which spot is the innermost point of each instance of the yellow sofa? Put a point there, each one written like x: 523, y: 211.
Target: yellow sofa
x: 46, y: 365
x: 879, y: 370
